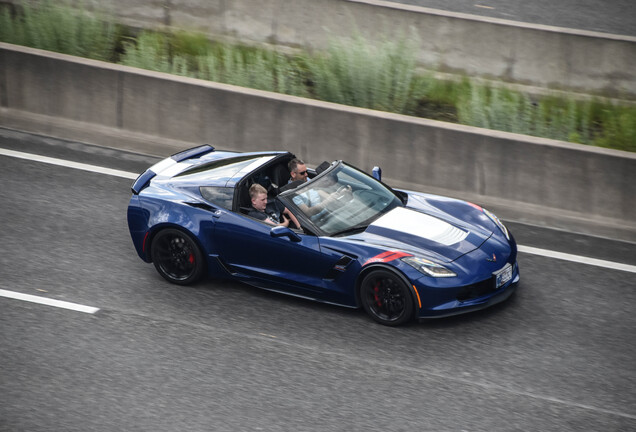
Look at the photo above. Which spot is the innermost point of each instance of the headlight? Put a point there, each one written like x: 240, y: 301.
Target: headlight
x: 496, y: 220
x: 428, y: 268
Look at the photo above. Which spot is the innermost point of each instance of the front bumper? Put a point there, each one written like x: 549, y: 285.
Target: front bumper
x: 470, y: 298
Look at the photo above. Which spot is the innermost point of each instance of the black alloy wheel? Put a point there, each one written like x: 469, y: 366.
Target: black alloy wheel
x: 177, y: 257
x: 386, y: 298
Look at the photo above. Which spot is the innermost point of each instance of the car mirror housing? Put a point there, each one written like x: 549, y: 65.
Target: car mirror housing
x: 281, y: 231
x: 377, y: 173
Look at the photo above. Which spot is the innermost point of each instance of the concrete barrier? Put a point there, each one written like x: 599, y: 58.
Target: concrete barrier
x: 159, y: 114
x: 526, y: 54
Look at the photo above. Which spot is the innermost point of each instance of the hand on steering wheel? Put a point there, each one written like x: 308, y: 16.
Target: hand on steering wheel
x: 342, y: 190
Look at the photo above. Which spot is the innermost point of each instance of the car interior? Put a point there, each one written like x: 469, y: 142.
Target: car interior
x: 272, y: 177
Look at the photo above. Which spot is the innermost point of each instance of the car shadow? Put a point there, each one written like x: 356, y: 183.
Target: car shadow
x: 275, y: 301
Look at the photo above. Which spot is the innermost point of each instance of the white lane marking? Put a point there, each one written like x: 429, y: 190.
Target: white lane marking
x: 49, y: 302
x: 68, y: 164
x: 525, y: 249
x: 577, y: 259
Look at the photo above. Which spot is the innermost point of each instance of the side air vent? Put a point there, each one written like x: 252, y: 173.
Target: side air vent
x: 339, y: 267
x: 201, y: 205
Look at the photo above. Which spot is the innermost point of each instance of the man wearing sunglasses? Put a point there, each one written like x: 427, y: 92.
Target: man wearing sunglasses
x: 313, y: 201
x: 297, y: 170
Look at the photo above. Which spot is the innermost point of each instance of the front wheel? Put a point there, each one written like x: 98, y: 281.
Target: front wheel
x: 177, y: 257
x: 386, y: 298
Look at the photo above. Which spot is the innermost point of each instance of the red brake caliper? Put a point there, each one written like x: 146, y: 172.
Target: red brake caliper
x: 376, y: 292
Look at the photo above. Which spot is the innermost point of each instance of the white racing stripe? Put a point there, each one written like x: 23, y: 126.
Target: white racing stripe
x: 524, y: 249
x: 49, y: 302
x: 577, y: 259
x: 422, y: 225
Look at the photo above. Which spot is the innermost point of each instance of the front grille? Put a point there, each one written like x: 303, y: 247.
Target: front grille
x: 482, y: 288
x: 476, y: 290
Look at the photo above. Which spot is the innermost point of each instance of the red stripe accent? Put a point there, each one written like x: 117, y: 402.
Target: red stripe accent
x: 475, y: 205
x: 143, y: 246
x: 383, y: 254
x: 386, y: 257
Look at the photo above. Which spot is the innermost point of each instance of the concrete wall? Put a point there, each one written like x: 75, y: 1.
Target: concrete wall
x: 159, y: 114
x: 535, y: 55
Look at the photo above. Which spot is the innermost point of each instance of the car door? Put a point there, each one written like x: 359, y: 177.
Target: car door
x: 250, y: 251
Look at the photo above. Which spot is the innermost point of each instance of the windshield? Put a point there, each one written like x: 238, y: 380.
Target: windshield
x: 342, y: 199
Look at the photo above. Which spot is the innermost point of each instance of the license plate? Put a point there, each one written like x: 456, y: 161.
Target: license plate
x: 504, y: 275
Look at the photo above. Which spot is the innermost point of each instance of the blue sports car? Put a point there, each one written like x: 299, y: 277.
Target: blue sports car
x: 398, y: 254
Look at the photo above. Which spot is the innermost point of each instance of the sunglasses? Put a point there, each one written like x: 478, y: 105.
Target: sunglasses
x: 302, y: 172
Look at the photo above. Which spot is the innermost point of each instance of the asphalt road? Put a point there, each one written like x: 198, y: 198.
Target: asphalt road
x: 559, y: 355
x: 607, y: 16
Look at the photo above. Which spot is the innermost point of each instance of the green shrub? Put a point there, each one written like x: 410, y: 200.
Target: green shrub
x: 584, y: 122
x: 60, y: 28
x: 152, y: 51
x: 354, y: 72
x: 250, y: 67
x: 618, y: 126
x: 230, y: 64
x: 190, y: 44
x: 358, y: 73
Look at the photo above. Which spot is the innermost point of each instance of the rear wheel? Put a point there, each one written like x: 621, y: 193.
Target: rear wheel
x: 177, y: 257
x: 386, y: 298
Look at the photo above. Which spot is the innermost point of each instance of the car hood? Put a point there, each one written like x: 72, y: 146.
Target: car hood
x: 417, y: 232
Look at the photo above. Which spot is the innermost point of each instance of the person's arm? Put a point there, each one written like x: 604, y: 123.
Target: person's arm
x: 270, y: 221
x: 285, y: 221
x: 291, y: 216
x: 262, y: 216
x: 317, y: 206
x: 326, y: 199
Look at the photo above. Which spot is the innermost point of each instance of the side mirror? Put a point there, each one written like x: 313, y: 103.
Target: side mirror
x: 281, y: 231
x: 377, y: 173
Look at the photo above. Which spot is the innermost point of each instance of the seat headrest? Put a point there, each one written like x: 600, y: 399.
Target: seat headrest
x: 323, y: 166
x: 290, y: 185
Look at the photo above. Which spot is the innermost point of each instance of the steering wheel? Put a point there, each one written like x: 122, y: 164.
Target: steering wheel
x: 341, y: 192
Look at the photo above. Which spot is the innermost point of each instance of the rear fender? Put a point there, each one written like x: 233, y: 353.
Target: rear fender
x: 152, y: 233
x: 196, y: 222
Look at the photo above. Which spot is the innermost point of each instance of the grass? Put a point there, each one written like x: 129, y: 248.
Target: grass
x: 58, y: 27
x: 381, y: 76
x: 584, y: 122
x: 193, y: 55
x: 356, y: 73
x: 249, y: 67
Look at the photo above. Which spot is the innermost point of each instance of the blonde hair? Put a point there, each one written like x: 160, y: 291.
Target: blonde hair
x: 256, y: 190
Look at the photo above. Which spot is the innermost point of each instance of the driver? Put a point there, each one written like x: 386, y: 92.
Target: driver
x: 316, y: 200
x: 297, y: 170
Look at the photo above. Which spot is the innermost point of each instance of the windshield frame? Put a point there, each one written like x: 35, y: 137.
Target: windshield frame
x: 363, y: 183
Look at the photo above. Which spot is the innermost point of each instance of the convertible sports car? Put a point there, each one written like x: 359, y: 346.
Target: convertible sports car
x: 398, y: 254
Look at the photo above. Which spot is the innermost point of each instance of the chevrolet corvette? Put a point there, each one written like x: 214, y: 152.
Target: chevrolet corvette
x: 399, y: 255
